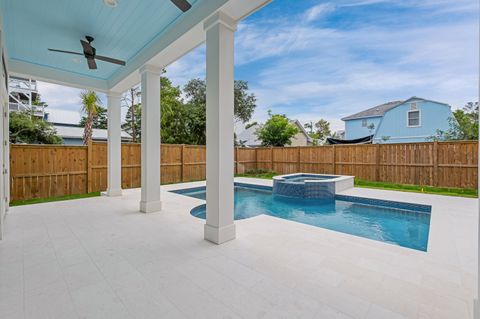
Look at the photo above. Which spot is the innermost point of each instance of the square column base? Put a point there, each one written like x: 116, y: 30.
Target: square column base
x: 150, y: 207
x: 219, y: 235
x: 476, y: 309
x: 112, y: 192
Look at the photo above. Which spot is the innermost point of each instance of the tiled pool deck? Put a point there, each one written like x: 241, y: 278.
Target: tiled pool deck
x: 101, y: 258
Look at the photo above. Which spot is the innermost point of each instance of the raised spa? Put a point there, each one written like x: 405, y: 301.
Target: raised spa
x: 318, y: 186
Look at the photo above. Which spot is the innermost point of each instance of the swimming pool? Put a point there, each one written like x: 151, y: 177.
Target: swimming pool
x: 402, y: 224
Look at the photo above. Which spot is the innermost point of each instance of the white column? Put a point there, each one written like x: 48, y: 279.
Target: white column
x: 219, y: 226
x: 150, y: 201
x: 114, y: 151
x: 476, y: 302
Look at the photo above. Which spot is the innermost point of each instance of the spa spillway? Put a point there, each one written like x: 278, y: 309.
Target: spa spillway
x: 317, y: 186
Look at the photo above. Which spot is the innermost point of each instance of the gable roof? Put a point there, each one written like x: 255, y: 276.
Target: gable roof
x: 375, y: 111
x: 381, y: 109
x: 302, y: 129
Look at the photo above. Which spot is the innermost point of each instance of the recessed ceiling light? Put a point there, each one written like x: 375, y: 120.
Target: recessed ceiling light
x: 110, y: 3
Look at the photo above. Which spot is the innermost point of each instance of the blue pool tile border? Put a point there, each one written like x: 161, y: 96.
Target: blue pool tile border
x: 386, y: 203
x: 254, y: 186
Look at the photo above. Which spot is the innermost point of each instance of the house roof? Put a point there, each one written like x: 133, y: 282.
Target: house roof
x: 375, y: 111
x: 381, y: 109
x: 248, y: 136
x: 73, y: 131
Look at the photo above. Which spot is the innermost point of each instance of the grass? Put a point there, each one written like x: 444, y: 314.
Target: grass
x: 52, y: 199
x: 258, y: 174
x: 462, y: 192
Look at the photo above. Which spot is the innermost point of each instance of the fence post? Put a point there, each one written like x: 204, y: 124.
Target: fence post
x: 377, y: 162
x: 271, y: 157
x: 435, y: 163
x: 89, y: 166
x: 298, y: 159
x: 334, y: 159
x: 182, y: 174
x: 256, y: 158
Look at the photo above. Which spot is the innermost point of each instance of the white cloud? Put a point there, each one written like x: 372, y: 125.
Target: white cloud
x: 318, y: 11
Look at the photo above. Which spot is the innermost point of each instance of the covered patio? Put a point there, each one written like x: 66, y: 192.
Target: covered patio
x: 140, y: 254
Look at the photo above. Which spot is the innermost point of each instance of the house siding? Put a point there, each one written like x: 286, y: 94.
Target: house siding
x: 433, y: 116
x: 354, y: 128
x: 299, y: 140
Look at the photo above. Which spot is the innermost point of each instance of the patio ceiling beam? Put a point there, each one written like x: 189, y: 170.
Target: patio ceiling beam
x: 47, y: 74
x: 150, y: 179
x: 114, y: 150
x: 220, y: 227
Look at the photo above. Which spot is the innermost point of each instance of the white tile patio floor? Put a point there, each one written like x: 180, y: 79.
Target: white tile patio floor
x: 100, y: 258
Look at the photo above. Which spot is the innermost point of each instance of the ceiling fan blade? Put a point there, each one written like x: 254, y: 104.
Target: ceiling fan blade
x: 63, y: 51
x: 182, y: 4
x: 111, y: 60
x: 91, y: 64
x: 87, y: 48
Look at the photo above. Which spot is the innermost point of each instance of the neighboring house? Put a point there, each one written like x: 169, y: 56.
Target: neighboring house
x: 73, y: 134
x: 248, y: 138
x: 412, y: 120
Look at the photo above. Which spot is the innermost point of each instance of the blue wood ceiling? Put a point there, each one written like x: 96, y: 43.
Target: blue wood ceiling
x: 32, y: 26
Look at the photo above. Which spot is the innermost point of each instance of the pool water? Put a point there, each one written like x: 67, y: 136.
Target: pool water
x: 407, y: 226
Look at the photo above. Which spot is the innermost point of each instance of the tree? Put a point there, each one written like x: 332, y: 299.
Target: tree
x: 133, y: 117
x: 90, y: 104
x: 319, y: 131
x: 176, y: 120
x: 25, y: 128
x: 196, y: 100
x: 100, y: 120
x: 462, y: 126
x: 309, y: 127
x: 244, y: 103
x: 277, y: 131
x: 133, y: 122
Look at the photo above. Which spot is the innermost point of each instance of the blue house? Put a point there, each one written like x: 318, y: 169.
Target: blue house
x: 412, y: 120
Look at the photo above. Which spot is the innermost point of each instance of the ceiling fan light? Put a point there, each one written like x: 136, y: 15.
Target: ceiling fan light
x: 110, y: 3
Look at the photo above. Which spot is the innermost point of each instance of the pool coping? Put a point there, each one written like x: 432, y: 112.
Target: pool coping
x: 413, y: 207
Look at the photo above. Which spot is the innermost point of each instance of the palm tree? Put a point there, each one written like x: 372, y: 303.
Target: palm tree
x: 90, y: 105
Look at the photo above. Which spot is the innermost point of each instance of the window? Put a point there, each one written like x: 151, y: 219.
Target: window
x: 364, y: 123
x: 413, y: 118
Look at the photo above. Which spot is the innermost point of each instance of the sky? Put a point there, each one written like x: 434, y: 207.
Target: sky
x: 329, y: 59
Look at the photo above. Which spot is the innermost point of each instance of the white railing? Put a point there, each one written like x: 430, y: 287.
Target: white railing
x: 22, y: 84
x: 20, y: 107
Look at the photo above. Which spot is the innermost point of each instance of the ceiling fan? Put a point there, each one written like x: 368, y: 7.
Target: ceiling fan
x: 90, y: 53
x: 182, y: 4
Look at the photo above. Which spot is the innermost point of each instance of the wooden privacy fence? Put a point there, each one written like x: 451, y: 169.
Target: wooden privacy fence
x: 41, y: 171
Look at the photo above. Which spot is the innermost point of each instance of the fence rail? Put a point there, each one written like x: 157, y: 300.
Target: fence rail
x: 41, y: 171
